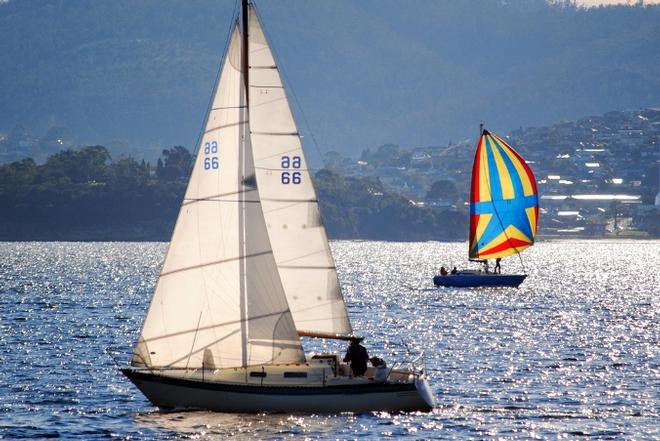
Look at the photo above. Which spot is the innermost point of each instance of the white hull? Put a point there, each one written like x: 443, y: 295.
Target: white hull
x: 341, y: 395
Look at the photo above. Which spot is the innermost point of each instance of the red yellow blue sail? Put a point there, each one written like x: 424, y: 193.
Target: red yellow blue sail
x: 504, y: 203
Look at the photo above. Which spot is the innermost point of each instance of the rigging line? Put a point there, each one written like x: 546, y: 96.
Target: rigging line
x: 233, y: 201
x: 219, y: 195
x: 228, y: 107
x: 499, y: 219
x: 216, y: 262
x: 192, y: 347
x: 293, y: 201
x: 275, y: 133
x: 213, y: 129
x: 280, y: 169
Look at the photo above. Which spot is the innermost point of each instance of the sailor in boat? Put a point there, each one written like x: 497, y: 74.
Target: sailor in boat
x: 357, y: 356
x: 454, y: 271
x: 443, y: 271
x: 498, y: 267
x: 380, y: 369
x: 484, y: 262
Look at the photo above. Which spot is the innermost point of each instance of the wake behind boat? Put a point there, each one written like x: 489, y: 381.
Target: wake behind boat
x: 249, y: 269
x: 504, y: 213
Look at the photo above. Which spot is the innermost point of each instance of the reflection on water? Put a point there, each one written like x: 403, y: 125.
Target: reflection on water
x: 573, y: 352
x: 213, y: 425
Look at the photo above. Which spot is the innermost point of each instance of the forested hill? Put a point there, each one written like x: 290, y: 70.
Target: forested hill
x: 84, y: 195
x: 365, y: 73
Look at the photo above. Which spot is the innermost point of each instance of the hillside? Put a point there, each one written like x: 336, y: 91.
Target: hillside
x: 364, y: 73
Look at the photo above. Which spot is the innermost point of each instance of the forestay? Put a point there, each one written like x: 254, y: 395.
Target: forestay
x: 504, y: 206
x: 289, y: 202
x: 219, y: 301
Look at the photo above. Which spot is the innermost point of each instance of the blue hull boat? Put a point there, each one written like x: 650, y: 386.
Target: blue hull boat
x: 474, y: 279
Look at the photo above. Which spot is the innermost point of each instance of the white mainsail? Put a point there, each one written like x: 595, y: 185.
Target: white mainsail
x: 219, y: 301
x: 289, y: 202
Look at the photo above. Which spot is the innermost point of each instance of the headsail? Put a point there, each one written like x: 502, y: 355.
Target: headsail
x: 219, y: 301
x: 503, y: 201
x: 291, y: 209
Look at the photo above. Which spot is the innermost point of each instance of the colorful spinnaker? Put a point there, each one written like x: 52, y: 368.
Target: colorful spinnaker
x: 504, y: 204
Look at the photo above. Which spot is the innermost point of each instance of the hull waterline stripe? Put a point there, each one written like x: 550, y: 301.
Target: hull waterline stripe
x: 273, y: 390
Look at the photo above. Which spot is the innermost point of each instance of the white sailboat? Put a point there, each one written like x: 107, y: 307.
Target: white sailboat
x: 249, y: 269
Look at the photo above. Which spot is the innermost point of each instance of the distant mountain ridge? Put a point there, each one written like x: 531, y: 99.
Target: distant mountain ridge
x: 365, y: 73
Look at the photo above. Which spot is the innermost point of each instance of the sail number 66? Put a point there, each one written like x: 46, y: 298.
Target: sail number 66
x: 210, y: 159
x: 293, y: 177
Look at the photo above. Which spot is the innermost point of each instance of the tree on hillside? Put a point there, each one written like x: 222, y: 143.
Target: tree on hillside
x: 17, y: 173
x: 88, y: 164
x: 442, y: 189
x: 176, y: 164
x: 387, y: 154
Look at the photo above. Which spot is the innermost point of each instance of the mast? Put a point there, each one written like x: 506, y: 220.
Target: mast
x: 244, y: 33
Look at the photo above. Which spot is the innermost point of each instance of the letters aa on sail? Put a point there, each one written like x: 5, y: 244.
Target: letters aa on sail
x: 219, y: 300
x: 503, y: 202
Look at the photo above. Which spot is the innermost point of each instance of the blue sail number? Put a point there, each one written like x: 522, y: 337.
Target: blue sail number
x: 293, y: 177
x: 211, y: 161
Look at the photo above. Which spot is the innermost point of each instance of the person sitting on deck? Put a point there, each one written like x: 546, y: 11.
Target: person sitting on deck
x: 380, y: 369
x: 357, y: 356
x: 454, y: 271
x: 443, y: 271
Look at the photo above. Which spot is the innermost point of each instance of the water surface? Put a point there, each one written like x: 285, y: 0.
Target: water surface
x: 572, y: 353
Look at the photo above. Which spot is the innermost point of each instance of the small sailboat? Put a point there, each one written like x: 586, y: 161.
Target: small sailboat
x: 504, y: 212
x: 249, y: 269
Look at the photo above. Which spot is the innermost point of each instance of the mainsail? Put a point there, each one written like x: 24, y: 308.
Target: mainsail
x: 219, y: 301
x: 503, y: 201
x: 289, y: 202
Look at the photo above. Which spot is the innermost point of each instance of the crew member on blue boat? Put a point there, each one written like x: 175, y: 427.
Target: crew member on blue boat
x: 454, y: 271
x: 498, y: 267
x: 443, y: 271
x: 357, y: 356
x: 484, y: 262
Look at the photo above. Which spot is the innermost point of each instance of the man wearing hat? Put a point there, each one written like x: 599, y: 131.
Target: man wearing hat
x: 357, y: 356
